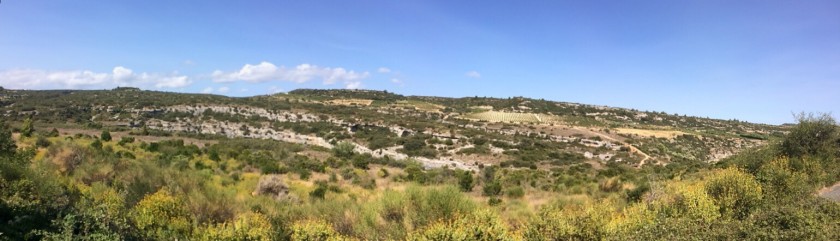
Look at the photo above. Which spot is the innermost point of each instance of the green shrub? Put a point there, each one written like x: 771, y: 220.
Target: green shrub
x: 27, y: 129
x: 162, y: 216
x: 96, y: 144
x: 736, y: 193
x: 515, y: 192
x: 125, y: 140
x: 479, y: 226
x: 42, y: 142
x: 814, y: 135
x: 344, y: 150
x: 492, y: 189
x: 105, y: 136
x: 465, y: 181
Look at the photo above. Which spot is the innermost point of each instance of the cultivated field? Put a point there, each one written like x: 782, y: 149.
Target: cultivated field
x: 498, y: 116
x: 419, y: 105
x: 359, y: 102
x: 650, y: 133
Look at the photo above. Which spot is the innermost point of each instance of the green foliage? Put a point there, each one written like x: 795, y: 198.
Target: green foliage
x: 478, y: 226
x: 690, y: 201
x: 162, y: 216
x: 781, y: 182
x: 96, y: 144
x: 105, y: 136
x: 571, y: 222
x: 434, y: 204
x: 99, y: 214
x: 319, y: 191
x: 736, y: 193
x: 492, y: 189
x: 344, y: 150
x: 515, y: 192
x: 465, y: 181
x: 125, y: 140
x: 53, y: 133
x: 415, y: 173
x: 814, y: 135
x: 42, y: 142
x: 7, y: 144
x: 27, y: 128
x: 361, y: 161
x: 248, y: 226
x: 169, y: 190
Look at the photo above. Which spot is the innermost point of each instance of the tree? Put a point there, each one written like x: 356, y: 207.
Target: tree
x: 814, y: 135
x: 466, y: 181
x: 7, y: 145
x: 27, y: 129
x: 105, y: 136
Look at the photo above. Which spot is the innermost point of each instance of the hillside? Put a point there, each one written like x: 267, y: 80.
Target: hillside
x: 377, y: 165
x: 485, y: 131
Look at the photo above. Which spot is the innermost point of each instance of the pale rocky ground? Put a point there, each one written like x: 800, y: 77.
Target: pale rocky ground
x: 235, y: 130
x: 557, y: 133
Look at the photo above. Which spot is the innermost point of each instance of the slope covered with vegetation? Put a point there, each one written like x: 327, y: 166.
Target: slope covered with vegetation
x: 103, y: 169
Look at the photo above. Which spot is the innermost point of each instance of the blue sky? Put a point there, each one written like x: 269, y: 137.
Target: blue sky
x: 748, y: 60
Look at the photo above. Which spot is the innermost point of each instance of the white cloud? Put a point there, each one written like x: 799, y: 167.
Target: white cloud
x: 207, y: 90
x: 224, y: 89
x: 265, y: 71
x: 473, y: 74
x: 86, y: 79
x: 172, y: 82
x: 122, y: 74
x: 353, y: 85
x: 396, y: 81
x: 383, y: 70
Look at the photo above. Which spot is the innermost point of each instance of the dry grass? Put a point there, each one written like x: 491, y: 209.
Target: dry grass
x: 361, y: 102
x: 419, y: 105
x: 650, y: 133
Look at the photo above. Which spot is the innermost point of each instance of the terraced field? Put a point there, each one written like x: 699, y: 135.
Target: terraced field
x: 498, y: 116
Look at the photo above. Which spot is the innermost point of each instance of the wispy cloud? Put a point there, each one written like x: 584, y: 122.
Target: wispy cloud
x: 266, y: 71
x: 383, y: 70
x: 473, y: 74
x: 86, y: 79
